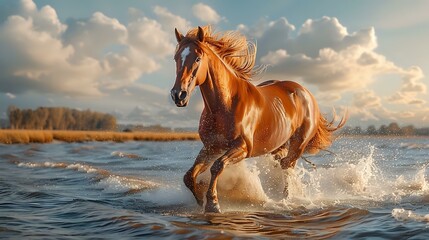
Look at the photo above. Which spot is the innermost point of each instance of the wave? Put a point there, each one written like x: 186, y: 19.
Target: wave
x: 125, y: 155
x: 107, y: 179
x: 401, y: 214
x: 414, y: 145
x: 84, y: 148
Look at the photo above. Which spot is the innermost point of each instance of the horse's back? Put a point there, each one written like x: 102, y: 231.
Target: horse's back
x: 291, y: 86
x: 291, y: 94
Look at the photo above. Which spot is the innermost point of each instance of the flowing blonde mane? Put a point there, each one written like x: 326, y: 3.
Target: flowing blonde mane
x: 232, y: 47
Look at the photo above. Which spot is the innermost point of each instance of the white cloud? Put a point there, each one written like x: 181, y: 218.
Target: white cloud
x: 10, y: 95
x: 411, y: 87
x: 91, y: 37
x: 89, y: 56
x: 405, y: 98
x: 34, y: 59
x: 169, y: 21
x: 323, y: 53
x: 366, y: 99
x: 412, y: 81
x: 148, y: 36
x: 206, y: 13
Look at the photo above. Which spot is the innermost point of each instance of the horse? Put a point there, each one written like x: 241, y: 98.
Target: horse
x: 240, y: 119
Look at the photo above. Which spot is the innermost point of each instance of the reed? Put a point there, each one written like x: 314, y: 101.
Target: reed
x: 47, y: 136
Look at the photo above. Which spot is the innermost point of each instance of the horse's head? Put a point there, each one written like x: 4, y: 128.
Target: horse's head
x: 191, y: 67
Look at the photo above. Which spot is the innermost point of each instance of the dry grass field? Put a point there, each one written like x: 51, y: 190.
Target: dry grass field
x: 47, y: 136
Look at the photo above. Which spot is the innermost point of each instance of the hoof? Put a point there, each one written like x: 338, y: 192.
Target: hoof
x: 212, y: 208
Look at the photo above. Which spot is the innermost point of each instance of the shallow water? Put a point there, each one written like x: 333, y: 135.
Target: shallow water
x: 370, y: 187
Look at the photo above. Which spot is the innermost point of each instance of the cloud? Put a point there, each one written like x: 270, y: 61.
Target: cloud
x: 10, y: 95
x: 36, y: 60
x: 169, y: 21
x: 405, y: 98
x: 206, y: 13
x: 323, y: 53
x: 82, y: 57
x: 148, y: 36
x: 412, y: 81
x: 366, y: 99
x: 411, y: 87
x: 90, y: 37
x: 367, y: 106
x: 328, y: 97
x: 157, y: 107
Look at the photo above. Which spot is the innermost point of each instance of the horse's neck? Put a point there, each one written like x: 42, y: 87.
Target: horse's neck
x: 220, y: 88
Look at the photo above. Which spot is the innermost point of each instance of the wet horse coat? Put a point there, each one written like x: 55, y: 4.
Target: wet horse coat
x: 239, y: 119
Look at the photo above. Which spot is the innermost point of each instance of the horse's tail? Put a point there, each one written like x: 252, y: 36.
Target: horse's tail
x: 323, y: 137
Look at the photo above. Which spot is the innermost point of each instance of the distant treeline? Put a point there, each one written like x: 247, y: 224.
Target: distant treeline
x: 59, y: 118
x: 391, y: 129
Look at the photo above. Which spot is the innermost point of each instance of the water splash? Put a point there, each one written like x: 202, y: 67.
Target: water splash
x: 358, y: 182
x: 401, y: 214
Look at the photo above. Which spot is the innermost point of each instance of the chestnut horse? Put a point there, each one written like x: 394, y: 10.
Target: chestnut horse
x: 239, y: 119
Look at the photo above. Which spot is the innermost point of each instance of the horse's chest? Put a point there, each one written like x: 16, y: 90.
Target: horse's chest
x: 217, y: 129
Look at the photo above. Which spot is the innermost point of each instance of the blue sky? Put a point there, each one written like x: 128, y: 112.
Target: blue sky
x: 370, y: 57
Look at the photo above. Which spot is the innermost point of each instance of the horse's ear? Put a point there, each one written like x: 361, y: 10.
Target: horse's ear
x: 179, y: 36
x: 200, y: 34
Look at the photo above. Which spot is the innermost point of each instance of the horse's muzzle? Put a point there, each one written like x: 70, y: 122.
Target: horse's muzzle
x: 179, y: 97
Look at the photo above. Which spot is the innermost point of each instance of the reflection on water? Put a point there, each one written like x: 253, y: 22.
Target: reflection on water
x: 372, y: 187
x: 323, y: 223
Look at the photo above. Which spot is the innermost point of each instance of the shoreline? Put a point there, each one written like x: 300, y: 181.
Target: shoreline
x: 23, y: 136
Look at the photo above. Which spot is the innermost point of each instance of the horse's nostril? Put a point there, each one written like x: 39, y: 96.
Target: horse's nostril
x: 182, y: 95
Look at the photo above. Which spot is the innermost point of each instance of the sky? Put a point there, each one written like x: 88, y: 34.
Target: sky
x: 370, y: 57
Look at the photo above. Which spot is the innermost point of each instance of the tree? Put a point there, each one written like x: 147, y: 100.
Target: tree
x: 393, y: 129
x: 383, y: 130
x: 371, y: 130
x: 14, y: 115
x: 408, y: 130
x: 60, y: 119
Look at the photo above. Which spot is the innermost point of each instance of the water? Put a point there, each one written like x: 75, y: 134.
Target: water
x: 371, y: 187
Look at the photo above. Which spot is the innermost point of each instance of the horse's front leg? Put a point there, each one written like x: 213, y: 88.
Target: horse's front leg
x: 200, y: 165
x: 237, y: 153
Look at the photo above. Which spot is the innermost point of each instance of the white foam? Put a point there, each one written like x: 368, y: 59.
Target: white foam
x: 82, y: 168
x: 43, y: 164
x: 108, y: 180
x: 124, y: 183
x: 401, y: 214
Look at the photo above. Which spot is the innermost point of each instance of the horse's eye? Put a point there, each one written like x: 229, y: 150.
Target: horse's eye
x: 198, y: 59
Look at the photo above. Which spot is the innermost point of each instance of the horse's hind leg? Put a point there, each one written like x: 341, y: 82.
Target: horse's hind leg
x: 200, y: 165
x: 296, y: 149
